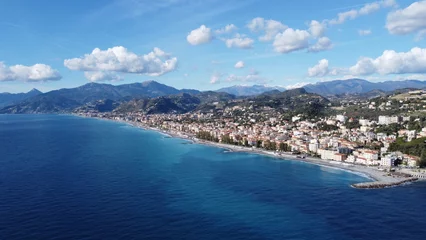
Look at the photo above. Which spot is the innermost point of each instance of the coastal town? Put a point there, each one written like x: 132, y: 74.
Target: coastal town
x: 337, y: 139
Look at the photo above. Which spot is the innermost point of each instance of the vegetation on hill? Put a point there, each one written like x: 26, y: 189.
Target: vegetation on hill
x: 416, y: 147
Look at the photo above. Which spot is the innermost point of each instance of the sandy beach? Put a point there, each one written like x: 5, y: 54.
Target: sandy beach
x: 376, y: 176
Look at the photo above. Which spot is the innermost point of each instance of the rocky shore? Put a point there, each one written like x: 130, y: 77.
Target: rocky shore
x: 379, y: 184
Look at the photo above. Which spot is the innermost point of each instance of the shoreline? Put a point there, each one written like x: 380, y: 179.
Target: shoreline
x: 378, y: 179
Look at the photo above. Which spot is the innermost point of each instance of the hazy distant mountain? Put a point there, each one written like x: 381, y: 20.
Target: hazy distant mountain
x: 354, y: 86
x: 14, y: 98
x: 67, y: 99
x: 238, y: 90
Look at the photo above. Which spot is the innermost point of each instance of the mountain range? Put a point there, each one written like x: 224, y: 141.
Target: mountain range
x: 330, y: 88
x: 154, y: 97
x: 64, y: 100
x: 239, y: 90
x: 13, y: 98
x: 357, y: 86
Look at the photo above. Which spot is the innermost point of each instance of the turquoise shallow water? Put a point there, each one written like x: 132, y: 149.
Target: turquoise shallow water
x: 63, y: 177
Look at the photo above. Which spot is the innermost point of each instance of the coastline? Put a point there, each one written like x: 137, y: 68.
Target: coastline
x: 379, y: 179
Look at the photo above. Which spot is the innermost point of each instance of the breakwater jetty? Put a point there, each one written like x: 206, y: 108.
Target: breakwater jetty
x: 383, y: 184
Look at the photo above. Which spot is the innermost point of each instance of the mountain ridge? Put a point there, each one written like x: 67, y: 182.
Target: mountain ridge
x: 357, y: 86
x: 241, y: 90
x: 7, y: 99
x: 67, y: 99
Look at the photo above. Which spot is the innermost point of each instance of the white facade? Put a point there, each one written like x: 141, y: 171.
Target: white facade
x: 388, y: 161
x: 327, y: 154
x: 364, y: 122
x: 386, y: 120
x: 295, y: 119
x: 313, y: 146
x: 341, y: 118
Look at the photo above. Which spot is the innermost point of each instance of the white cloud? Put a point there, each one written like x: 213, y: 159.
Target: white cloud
x: 319, y: 70
x: 342, y: 17
x: 408, y: 20
x: 391, y: 62
x: 200, y: 35
x: 253, y: 76
x: 389, y: 3
x: 239, y: 41
x: 35, y: 73
x: 239, y: 64
x: 364, y: 32
x: 316, y: 28
x: 420, y: 35
x: 291, y: 40
x: 119, y: 59
x: 270, y: 27
x: 102, y: 76
x: 227, y: 29
x: 368, y: 8
x: 296, y: 85
x: 421, y: 77
x: 215, y: 78
x: 324, y: 43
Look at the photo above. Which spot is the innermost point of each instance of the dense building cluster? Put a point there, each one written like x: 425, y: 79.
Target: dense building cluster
x: 329, y: 138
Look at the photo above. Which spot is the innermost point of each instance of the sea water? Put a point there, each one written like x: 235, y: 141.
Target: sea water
x: 65, y: 177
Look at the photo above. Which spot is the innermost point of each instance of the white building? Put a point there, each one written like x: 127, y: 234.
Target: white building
x: 295, y: 119
x: 341, y: 118
x: 327, y: 154
x: 386, y: 120
x: 351, y: 159
x: 388, y: 161
x: 364, y: 122
x: 313, y: 145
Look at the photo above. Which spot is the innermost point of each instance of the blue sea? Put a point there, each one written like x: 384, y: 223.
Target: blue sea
x: 65, y: 177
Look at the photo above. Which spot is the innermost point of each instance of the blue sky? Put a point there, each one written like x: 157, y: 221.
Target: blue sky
x: 184, y: 43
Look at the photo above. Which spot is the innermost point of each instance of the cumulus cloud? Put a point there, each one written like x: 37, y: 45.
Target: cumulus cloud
x: 239, y: 64
x: 365, y: 32
x: 324, y: 43
x: 215, y: 78
x: 102, y: 76
x: 365, y: 10
x: 239, y: 41
x: 200, y: 35
x: 319, y: 70
x: 270, y: 28
x: 227, y: 29
x: 119, y: 59
x: 391, y: 62
x: 35, y: 73
x: 411, y: 19
x: 291, y: 40
x: 316, y: 28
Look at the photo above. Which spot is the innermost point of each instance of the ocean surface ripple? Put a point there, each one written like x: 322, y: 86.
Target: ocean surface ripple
x: 64, y: 177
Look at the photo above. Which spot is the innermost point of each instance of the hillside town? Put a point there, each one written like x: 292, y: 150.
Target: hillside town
x: 377, y: 143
